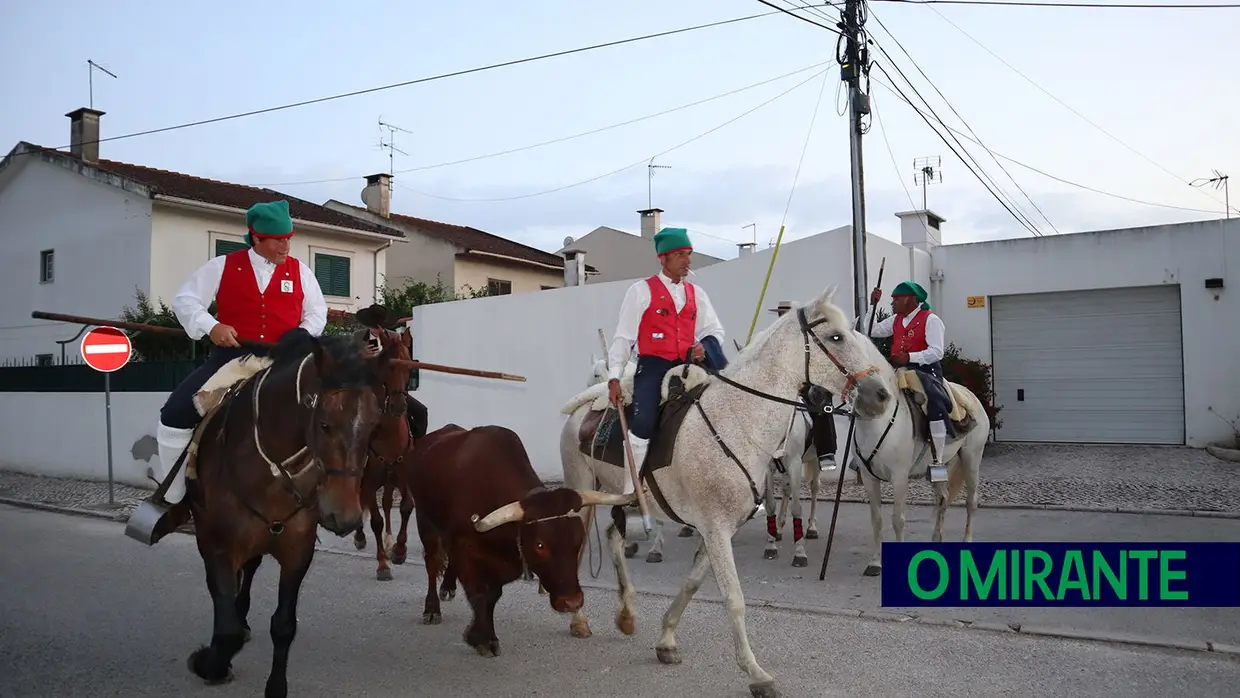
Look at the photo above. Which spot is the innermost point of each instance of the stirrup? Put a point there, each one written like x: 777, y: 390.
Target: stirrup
x: 937, y: 473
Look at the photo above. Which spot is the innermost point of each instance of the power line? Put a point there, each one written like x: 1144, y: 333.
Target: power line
x: 962, y: 120
x: 1063, y: 103
x: 565, y: 138
x: 801, y: 17
x: 432, y: 78
x: 1077, y: 5
x: 1047, y: 174
x: 643, y: 161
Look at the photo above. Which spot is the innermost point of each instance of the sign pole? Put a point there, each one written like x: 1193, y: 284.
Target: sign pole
x: 107, y: 349
x: 107, y: 403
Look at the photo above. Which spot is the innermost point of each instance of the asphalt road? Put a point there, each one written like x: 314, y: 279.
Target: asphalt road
x: 88, y: 612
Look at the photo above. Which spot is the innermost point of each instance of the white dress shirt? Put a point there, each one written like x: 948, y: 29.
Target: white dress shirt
x: 935, y: 332
x: 635, y: 302
x: 195, y: 295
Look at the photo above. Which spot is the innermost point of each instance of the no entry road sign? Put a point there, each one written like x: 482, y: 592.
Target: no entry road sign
x: 106, y: 349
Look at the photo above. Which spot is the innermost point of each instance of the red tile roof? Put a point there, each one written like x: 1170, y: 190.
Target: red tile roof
x: 476, y: 240
x: 229, y: 194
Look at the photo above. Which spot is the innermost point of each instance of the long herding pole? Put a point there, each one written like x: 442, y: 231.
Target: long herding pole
x: 156, y: 329
x: 848, y: 446
x: 647, y: 522
x: 769, y: 268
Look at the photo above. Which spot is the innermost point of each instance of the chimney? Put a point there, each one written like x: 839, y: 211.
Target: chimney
x: 574, y: 267
x: 650, y: 222
x: 745, y: 248
x: 84, y: 133
x: 920, y: 229
x: 378, y: 194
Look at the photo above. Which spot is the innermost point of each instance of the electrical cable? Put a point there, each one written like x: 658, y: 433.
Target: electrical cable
x: 626, y: 167
x: 1076, y: 5
x: 962, y: 120
x: 432, y: 78
x: 564, y: 138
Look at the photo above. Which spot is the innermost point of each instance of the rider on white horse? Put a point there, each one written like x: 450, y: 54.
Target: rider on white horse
x: 917, y: 342
x: 666, y: 317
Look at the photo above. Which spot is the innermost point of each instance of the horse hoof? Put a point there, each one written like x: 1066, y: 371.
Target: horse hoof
x: 812, y: 534
x: 800, y: 561
x: 488, y: 649
x: 384, y: 574
x: 432, y: 618
x: 668, y: 655
x: 654, y: 557
x: 685, y: 532
x: 779, y: 537
x: 630, y: 550
x: 872, y: 570
x: 447, y: 594
x: 197, y: 666
x: 626, y: 622
x: 359, y: 543
x: 763, y: 689
x: 399, y: 559
x: 770, y: 554
x: 580, y: 628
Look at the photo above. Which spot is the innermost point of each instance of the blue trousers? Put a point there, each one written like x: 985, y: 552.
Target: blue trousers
x: 643, y: 414
x: 937, y: 401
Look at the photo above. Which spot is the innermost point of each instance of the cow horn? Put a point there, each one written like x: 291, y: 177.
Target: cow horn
x: 505, y: 514
x: 591, y: 497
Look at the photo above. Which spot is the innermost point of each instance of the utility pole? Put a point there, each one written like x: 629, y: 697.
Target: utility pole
x: 1219, y: 180
x: 856, y: 64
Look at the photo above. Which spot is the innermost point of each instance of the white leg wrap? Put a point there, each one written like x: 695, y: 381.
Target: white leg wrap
x: 171, y: 443
x: 639, y: 457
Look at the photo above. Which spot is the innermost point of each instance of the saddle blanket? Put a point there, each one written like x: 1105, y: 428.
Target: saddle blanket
x: 910, y: 379
x: 231, y: 373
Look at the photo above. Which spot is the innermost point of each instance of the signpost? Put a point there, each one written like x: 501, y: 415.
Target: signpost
x: 107, y: 349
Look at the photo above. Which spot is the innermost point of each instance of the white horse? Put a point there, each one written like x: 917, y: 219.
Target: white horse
x: 886, y: 438
x: 798, y: 446
x: 716, y: 479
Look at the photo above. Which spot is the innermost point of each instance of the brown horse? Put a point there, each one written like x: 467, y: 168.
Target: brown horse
x: 281, y: 455
x: 403, y: 422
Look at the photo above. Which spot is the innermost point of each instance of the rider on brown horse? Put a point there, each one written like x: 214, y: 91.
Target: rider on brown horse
x: 261, y: 293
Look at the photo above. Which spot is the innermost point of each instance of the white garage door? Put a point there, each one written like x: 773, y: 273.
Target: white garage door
x: 1100, y: 366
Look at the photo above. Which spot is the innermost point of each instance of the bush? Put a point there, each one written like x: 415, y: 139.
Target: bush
x: 149, y: 346
x: 402, y: 298
x: 971, y: 373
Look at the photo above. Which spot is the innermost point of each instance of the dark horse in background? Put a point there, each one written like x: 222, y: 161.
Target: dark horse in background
x: 282, y: 454
x: 404, y: 421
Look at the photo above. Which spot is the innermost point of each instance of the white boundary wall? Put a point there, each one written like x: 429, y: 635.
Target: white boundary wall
x: 551, y: 337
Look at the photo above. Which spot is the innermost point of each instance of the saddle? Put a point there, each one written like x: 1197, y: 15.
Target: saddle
x: 601, y: 437
x: 211, y: 397
x: 912, y: 384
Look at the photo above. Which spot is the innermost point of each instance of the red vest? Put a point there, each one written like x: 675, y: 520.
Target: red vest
x: 261, y: 316
x: 662, y: 331
x: 911, y: 338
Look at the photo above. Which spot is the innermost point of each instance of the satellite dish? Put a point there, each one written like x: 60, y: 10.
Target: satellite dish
x: 366, y: 195
x: 568, y: 240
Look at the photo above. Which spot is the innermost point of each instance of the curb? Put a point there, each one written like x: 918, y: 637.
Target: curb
x: 119, y: 517
x: 1228, y: 651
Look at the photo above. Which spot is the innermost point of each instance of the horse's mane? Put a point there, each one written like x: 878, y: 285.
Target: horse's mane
x: 350, y: 370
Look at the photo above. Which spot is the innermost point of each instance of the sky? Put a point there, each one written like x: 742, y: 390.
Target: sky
x: 1133, y: 102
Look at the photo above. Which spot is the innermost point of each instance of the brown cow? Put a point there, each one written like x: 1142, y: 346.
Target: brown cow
x: 482, y: 506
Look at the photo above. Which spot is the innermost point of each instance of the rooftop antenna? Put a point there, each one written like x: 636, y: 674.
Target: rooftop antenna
x: 925, y: 171
x: 755, y: 232
x: 90, y: 70
x: 391, y: 147
x: 1219, y: 180
x: 650, y: 168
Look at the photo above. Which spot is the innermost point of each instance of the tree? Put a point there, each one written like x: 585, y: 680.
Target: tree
x: 150, y: 346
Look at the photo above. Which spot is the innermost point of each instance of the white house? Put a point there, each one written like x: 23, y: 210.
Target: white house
x: 623, y: 255
x: 80, y: 235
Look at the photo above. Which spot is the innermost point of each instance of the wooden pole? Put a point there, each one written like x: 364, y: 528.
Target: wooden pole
x: 157, y: 329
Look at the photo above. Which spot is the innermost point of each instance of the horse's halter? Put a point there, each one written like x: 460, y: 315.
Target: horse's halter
x: 815, y: 396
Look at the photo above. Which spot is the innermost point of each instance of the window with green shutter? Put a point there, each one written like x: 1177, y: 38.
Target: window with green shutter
x: 223, y: 247
x: 332, y: 272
